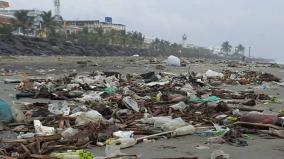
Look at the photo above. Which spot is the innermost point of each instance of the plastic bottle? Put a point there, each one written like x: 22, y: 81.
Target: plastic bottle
x: 186, y: 130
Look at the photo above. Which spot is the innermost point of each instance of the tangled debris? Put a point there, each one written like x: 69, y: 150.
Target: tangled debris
x: 106, y: 108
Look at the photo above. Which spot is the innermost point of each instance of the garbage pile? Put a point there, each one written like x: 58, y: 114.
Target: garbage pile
x: 248, y: 77
x: 109, y: 109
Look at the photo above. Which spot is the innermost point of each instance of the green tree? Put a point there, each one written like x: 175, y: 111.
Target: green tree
x: 23, y: 21
x: 7, y: 29
x: 240, y: 49
x: 49, y: 23
x: 226, y: 47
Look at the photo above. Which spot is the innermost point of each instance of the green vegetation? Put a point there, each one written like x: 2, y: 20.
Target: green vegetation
x: 24, y: 22
x: 51, y: 29
x: 226, y: 48
x: 7, y: 29
x: 240, y: 49
x: 49, y: 25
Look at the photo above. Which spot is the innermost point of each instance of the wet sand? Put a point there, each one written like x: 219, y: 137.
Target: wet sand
x: 258, y: 148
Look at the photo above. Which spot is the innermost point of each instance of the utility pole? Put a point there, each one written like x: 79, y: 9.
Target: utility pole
x: 249, y: 51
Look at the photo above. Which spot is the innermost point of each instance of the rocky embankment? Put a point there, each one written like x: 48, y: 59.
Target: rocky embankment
x: 20, y: 45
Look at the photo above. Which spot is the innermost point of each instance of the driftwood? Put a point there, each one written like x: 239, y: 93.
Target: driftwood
x: 246, y: 108
x: 274, y: 132
x: 33, y: 139
x: 6, y: 157
x: 259, y: 125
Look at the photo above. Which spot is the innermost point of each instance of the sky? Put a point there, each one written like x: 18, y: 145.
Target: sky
x: 255, y: 23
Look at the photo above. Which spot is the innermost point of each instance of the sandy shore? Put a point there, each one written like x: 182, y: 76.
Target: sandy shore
x: 259, y: 148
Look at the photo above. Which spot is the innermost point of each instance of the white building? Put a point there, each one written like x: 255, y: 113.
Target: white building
x: 75, y: 26
x: 36, y: 14
x: 215, y: 49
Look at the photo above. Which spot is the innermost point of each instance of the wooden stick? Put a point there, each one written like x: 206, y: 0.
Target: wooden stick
x: 154, y: 135
x: 259, y: 125
x: 33, y: 139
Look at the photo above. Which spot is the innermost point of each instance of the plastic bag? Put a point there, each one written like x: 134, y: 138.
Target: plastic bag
x: 130, y: 103
x: 112, y: 148
x: 87, y: 117
x: 161, y: 120
x: 59, y: 108
x: 123, y: 134
x: 208, y: 99
x: 147, y: 119
x: 213, y: 74
x: 69, y: 133
x: 91, y: 96
x: 173, y: 61
x: 179, y: 106
x: 5, y: 112
x: 174, y: 124
x: 18, y: 115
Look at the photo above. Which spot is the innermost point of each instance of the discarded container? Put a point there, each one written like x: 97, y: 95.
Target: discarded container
x: 173, y: 61
x: 5, y: 112
x: 256, y: 117
x: 130, y: 103
x: 186, y: 130
x: 43, y: 130
x: 174, y: 124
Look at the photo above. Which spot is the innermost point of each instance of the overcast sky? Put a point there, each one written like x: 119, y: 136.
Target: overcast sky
x: 255, y: 23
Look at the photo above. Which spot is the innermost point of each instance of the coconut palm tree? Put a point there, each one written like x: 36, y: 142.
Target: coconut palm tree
x: 240, y: 49
x: 49, y: 23
x: 226, y: 47
x: 23, y: 21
